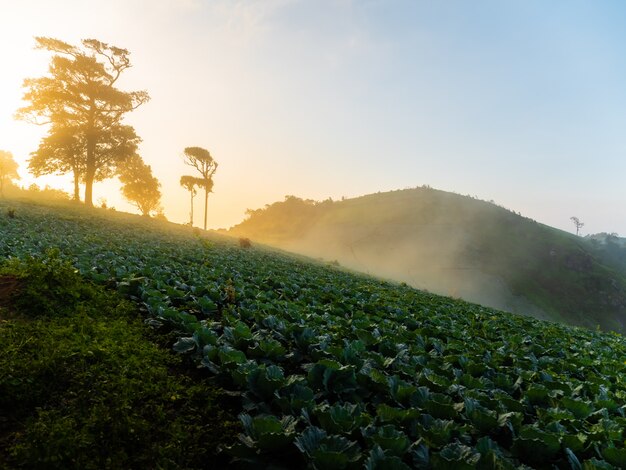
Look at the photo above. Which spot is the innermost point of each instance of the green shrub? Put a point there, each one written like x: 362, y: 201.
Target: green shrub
x: 88, y: 389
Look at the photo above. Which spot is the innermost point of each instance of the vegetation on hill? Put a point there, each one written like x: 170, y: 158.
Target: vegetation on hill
x: 83, y: 385
x: 453, y: 245
x: 331, y: 369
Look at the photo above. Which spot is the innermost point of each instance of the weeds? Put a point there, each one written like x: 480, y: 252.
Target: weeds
x: 81, y: 386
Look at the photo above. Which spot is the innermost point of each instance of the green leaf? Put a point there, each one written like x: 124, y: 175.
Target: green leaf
x: 615, y: 456
x: 332, y: 452
x: 537, y: 394
x: 230, y: 356
x: 579, y: 408
x: 456, y: 456
x: 595, y: 464
x: 268, y: 432
x: 442, y: 407
x: 420, y: 454
x: 389, y: 414
x: 575, y: 442
x: 203, y: 336
x: 379, y: 460
x: 573, y: 461
x: 391, y: 440
x: 310, y: 439
x: 207, y: 306
x: 438, y: 432
x: 340, y: 419
x: 264, y: 381
x: 184, y: 345
x: 534, y: 446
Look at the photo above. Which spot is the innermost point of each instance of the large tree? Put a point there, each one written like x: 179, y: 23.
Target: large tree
x: 8, y: 169
x: 79, y: 98
x: 139, y: 186
x: 201, y: 160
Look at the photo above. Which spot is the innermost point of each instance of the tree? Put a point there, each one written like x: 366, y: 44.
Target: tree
x: 61, y: 151
x: 139, y: 186
x: 202, y: 161
x: 79, y: 98
x: 577, y: 223
x: 190, y: 183
x: 8, y: 169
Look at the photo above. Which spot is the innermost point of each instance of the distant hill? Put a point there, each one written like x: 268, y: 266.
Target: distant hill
x: 457, y: 246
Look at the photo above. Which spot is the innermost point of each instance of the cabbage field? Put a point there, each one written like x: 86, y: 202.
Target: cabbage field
x: 337, y: 370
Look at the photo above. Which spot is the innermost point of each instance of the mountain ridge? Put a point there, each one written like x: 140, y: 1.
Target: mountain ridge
x: 453, y: 245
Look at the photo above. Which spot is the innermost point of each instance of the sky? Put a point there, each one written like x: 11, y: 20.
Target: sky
x: 521, y: 102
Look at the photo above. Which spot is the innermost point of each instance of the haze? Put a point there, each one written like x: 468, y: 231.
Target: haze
x: 521, y: 102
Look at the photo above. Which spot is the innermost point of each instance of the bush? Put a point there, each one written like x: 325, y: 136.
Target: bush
x: 87, y: 389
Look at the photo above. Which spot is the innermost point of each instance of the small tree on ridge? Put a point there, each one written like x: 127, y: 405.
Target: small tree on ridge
x: 8, y: 169
x: 190, y: 183
x: 139, y: 186
x: 577, y: 223
x: 201, y: 160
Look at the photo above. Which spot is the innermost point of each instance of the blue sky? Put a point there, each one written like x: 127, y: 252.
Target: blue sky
x: 522, y: 102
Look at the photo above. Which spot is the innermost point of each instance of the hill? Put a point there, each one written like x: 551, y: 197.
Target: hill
x: 330, y: 369
x: 453, y: 245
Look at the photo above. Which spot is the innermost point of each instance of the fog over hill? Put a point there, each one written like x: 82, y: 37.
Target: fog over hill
x: 453, y: 245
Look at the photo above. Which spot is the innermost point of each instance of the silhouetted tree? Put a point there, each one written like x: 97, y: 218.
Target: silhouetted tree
x: 61, y: 151
x: 79, y: 98
x: 202, y: 161
x: 8, y: 169
x: 139, y: 186
x: 577, y: 223
x: 190, y: 183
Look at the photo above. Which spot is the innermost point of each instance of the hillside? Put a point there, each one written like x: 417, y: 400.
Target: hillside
x: 453, y: 245
x: 330, y: 369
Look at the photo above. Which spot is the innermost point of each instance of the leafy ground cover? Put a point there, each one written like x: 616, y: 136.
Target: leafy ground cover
x: 82, y: 387
x: 337, y: 370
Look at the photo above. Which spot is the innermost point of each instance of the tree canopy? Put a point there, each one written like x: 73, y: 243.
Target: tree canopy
x: 84, y: 108
x: 201, y: 159
x: 61, y: 152
x: 8, y: 169
x: 139, y: 186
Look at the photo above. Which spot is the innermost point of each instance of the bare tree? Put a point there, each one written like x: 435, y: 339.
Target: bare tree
x: 577, y: 223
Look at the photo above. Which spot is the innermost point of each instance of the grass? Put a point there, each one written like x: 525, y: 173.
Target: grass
x: 84, y: 384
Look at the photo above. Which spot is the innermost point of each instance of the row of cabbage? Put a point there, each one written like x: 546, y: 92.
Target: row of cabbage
x: 336, y: 370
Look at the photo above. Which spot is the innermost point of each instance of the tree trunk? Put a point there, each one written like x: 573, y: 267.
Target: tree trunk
x: 191, y: 212
x: 90, y: 170
x: 89, y: 177
x: 206, y: 199
x: 76, y: 187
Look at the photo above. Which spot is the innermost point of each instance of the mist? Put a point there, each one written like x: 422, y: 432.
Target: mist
x: 453, y: 245
x: 432, y: 253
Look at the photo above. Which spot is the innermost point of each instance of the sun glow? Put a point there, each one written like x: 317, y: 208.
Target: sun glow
x: 332, y: 98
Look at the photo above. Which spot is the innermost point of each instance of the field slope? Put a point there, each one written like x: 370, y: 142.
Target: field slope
x: 453, y: 245
x: 337, y: 370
